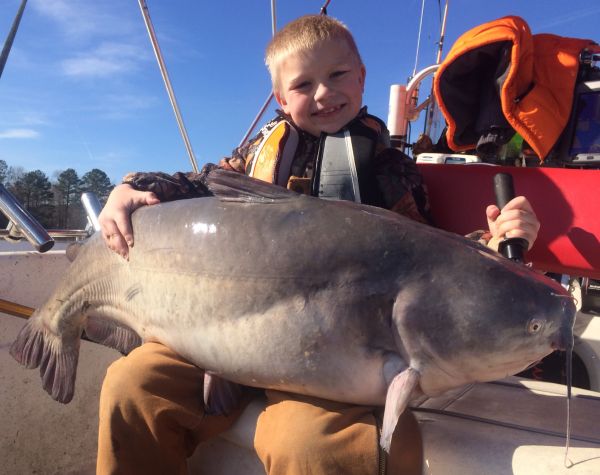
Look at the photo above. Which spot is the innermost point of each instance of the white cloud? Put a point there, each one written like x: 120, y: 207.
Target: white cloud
x: 14, y: 117
x: 568, y: 17
x: 123, y: 106
x: 89, y: 66
x: 82, y: 19
x: 101, y: 39
x: 34, y: 118
x: 19, y: 134
x: 108, y: 59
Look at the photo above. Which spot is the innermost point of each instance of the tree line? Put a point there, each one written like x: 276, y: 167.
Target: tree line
x: 56, y: 203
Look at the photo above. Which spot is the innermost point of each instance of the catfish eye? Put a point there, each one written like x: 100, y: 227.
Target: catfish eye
x: 535, y: 325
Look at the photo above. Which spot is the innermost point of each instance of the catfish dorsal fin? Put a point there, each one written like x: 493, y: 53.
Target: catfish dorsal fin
x: 234, y: 186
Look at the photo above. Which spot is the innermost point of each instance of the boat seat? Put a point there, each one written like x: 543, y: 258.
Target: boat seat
x: 514, y: 426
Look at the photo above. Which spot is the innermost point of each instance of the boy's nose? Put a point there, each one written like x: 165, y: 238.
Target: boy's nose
x: 323, y: 90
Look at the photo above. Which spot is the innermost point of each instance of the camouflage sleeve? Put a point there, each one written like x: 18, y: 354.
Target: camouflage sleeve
x: 480, y: 236
x: 192, y: 185
x: 171, y: 187
x: 402, y: 185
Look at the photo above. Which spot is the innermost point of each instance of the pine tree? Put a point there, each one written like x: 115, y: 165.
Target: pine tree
x: 33, y: 189
x: 97, y: 182
x: 67, y: 192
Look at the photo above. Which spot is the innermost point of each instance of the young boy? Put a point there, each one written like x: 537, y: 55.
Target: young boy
x: 151, y: 414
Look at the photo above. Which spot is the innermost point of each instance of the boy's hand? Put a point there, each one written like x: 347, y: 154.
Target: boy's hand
x: 115, y: 218
x: 517, y: 220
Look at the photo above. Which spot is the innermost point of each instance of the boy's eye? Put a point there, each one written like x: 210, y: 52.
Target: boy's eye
x: 337, y: 74
x: 301, y: 85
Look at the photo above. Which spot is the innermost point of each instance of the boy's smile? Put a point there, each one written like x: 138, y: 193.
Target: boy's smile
x: 321, y: 89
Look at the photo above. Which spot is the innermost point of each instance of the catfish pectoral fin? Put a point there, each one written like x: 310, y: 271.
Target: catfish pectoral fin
x: 112, y: 334
x: 397, y: 398
x: 220, y: 396
x: 37, y: 346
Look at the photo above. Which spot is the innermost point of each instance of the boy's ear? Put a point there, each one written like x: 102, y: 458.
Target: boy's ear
x: 363, y: 75
x: 281, y: 101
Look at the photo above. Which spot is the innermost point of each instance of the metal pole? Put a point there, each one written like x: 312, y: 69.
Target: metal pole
x: 92, y: 208
x: 432, y: 106
x: 27, y: 224
x: 271, y: 95
x: 273, y: 18
x: 11, y: 36
x: 256, y: 119
x: 419, y: 37
x: 167, y: 81
x: 442, y: 34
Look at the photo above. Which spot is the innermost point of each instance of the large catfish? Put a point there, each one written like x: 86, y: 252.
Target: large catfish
x: 268, y: 288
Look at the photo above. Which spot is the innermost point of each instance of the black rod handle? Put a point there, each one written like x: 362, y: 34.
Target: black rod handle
x: 511, y: 248
x: 503, y: 188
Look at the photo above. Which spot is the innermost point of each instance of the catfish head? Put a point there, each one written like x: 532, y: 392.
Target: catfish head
x: 487, y: 319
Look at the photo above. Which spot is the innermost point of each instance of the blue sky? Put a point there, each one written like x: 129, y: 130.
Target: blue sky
x: 82, y: 89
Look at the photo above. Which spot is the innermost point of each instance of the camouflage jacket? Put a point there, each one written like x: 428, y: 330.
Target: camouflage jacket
x: 397, y: 179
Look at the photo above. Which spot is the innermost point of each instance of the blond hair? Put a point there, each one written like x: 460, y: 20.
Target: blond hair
x: 305, y: 34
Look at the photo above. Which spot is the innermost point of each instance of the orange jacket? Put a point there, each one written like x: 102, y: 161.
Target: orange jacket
x: 535, y: 90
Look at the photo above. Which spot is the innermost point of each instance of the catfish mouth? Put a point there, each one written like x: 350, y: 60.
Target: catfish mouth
x: 511, y: 368
x: 439, y: 376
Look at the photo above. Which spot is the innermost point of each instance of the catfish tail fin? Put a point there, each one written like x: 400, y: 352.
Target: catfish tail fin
x: 37, y: 346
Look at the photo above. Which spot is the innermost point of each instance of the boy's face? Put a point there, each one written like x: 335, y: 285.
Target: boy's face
x: 321, y: 89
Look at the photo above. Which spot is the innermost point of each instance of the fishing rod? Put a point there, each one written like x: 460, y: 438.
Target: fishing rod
x: 11, y: 36
x: 15, y: 309
x: 165, y: 75
x: 24, y: 312
x: 271, y: 95
x: 431, y: 109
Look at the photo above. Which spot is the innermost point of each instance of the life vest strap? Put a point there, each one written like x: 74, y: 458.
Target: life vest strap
x: 336, y: 177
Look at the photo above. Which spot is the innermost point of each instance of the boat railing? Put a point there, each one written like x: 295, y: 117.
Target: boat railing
x: 26, y: 223
x: 23, y: 225
x: 404, y: 107
x: 12, y: 234
x: 92, y: 208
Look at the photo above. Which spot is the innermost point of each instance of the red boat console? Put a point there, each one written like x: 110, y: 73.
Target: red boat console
x: 566, y: 201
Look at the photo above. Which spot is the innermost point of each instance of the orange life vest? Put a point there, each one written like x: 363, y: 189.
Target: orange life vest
x: 343, y: 167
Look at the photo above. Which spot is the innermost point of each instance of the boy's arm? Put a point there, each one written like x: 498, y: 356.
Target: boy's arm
x: 142, y: 189
x: 401, y: 185
x: 187, y: 185
x: 115, y: 221
x: 170, y: 187
x: 148, y: 188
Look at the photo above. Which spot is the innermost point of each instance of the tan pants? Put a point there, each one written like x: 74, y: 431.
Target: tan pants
x: 152, y: 419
